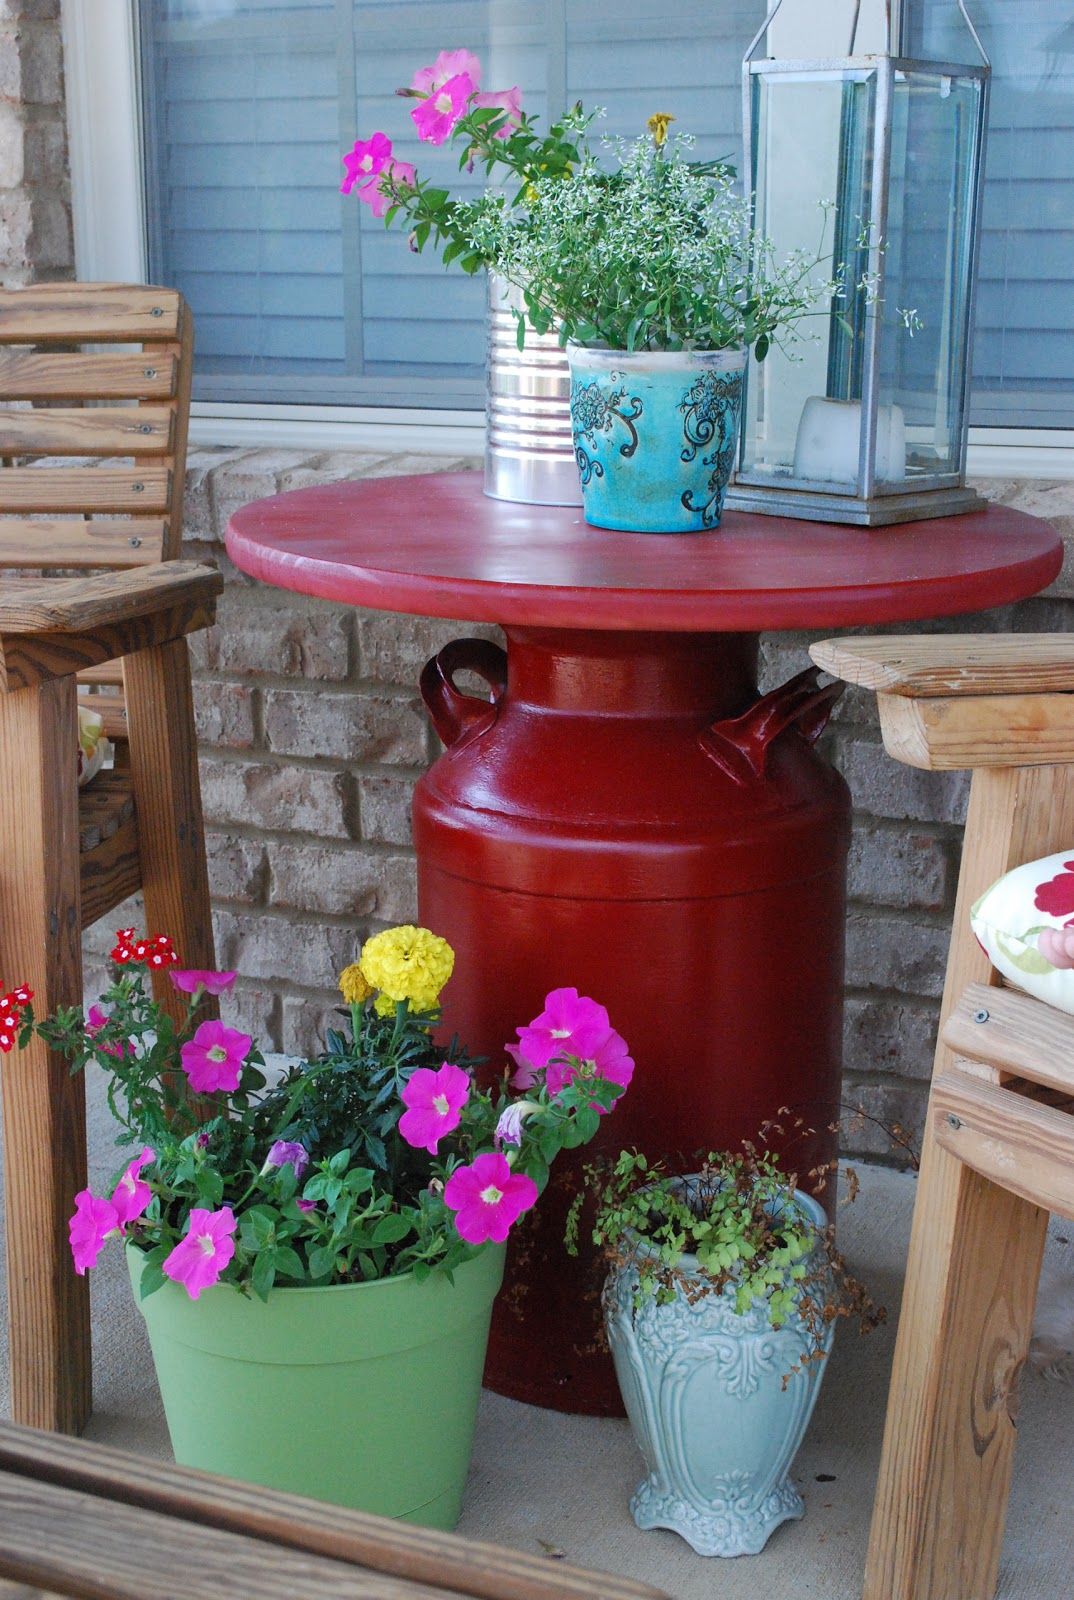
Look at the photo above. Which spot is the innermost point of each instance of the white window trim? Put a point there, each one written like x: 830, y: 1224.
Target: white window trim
x: 101, y: 71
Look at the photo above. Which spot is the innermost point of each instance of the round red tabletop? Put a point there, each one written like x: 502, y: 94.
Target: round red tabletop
x: 436, y: 546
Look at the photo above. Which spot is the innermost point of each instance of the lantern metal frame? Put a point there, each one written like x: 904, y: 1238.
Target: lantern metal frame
x: 927, y: 494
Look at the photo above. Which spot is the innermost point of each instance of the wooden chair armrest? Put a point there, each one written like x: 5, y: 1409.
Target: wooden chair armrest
x: 929, y: 666
x: 83, y: 605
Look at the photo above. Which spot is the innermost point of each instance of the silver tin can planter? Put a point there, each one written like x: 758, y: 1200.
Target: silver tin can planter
x: 655, y: 434
x: 529, y: 451
x: 703, y: 1388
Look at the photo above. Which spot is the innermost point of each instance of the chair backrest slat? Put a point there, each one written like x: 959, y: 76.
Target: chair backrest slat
x: 138, y: 435
x: 90, y: 313
x: 134, y: 542
x: 85, y: 489
x: 80, y: 431
x: 85, y: 375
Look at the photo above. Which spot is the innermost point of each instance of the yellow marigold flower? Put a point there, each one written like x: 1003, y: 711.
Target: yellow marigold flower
x: 658, y: 127
x: 354, y: 985
x: 409, y: 964
x: 384, y: 1005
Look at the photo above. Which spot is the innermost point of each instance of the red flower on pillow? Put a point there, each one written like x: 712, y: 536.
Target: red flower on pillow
x: 1056, y: 897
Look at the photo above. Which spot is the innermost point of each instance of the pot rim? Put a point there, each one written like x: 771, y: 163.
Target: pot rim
x: 607, y: 360
x: 395, y: 1281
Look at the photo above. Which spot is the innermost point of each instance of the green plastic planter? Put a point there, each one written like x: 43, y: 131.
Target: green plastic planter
x: 364, y: 1395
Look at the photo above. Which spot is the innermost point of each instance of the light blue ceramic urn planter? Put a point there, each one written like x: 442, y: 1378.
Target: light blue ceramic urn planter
x: 703, y: 1388
x: 654, y: 435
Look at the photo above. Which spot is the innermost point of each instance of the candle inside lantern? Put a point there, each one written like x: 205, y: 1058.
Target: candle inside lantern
x: 829, y: 439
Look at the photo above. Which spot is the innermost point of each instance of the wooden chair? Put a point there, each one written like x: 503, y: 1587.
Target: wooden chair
x: 999, y: 1142
x: 66, y: 859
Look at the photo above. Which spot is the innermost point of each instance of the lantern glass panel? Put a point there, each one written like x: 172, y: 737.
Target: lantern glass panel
x: 923, y: 313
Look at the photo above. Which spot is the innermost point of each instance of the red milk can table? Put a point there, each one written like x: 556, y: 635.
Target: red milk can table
x: 621, y: 811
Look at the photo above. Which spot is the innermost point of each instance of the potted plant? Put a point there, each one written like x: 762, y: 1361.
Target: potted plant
x: 649, y: 270
x: 316, y: 1258
x: 720, y: 1309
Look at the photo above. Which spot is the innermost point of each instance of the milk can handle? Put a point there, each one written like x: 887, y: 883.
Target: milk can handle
x: 741, y: 744
x: 454, y: 713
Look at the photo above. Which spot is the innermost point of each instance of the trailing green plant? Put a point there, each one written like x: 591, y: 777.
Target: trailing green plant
x: 732, y: 1227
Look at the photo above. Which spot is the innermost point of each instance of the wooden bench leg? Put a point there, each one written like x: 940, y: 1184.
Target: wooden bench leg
x: 167, y: 798
x: 43, y: 1105
x: 941, y: 1503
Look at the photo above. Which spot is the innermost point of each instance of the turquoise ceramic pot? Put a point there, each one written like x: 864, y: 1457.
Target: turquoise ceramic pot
x: 654, y: 435
x: 703, y: 1388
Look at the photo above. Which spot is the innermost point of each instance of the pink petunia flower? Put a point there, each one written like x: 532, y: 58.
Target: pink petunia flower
x: 132, y: 1194
x: 96, y: 1019
x: 381, y: 192
x: 1056, y: 945
x: 488, y: 1198
x: 288, y: 1153
x: 191, y: 979
x: 570, y: 1024
x: 368, y: 157
x: 201, y: 1256
x: 434, y: 1102
x: 214, y: 1058
x: 509, y: 100
x: 448, y: 64
x: 306, y: 1205
x: 436, y: 117
x: 93, y: 1220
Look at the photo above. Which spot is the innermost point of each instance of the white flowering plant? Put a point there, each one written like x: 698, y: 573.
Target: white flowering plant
x: 654, y: 253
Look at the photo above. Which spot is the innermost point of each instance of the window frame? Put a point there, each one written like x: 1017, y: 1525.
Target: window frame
x: 101, y: 65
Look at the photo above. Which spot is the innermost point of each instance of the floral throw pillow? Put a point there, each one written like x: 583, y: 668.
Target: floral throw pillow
x: 1025, y: 924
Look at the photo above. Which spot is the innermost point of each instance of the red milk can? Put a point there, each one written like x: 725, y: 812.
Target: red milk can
x: 623, y: 812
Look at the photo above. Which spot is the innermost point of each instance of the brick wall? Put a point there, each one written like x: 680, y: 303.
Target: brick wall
x: 35, y: 197
x: 312, y: 736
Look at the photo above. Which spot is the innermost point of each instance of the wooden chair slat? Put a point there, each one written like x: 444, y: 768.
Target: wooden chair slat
x: 86, y: 375
x: 109, y: 673
x: 952, y: 664
x: 1024, y: 1147
x: 87, y: 431
x: 95, y: 313
x: 52, y: 1536
x: 1015, y: 1034
x: 103, y: 806
x: 399, y: 1550
x: 44, y: 542
x: 90, y: 489
x: 111, y: 872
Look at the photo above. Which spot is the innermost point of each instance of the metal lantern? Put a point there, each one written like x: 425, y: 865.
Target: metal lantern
x: 867, y: 422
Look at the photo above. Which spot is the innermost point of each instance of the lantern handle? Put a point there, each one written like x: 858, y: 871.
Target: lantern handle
x: 773, y: 10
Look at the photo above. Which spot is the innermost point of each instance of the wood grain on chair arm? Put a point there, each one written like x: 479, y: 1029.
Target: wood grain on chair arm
x: 928, y: 665
x: 61, y: 626
x: 78, y: 605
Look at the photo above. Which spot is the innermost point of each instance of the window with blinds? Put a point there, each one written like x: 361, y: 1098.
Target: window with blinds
x: 299, y: 294
x: 302, y: 296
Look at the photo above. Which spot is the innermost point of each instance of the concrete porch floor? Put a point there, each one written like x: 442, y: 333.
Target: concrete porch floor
x: 547, y: 1483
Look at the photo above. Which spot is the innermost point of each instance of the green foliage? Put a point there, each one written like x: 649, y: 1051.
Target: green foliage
x: 733, y: 1227
x: 653, y: 253
x: 367, y: 1205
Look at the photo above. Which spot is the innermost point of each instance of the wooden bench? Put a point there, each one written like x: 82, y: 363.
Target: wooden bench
x: 76, y: 1519
x: 998, y: 1149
